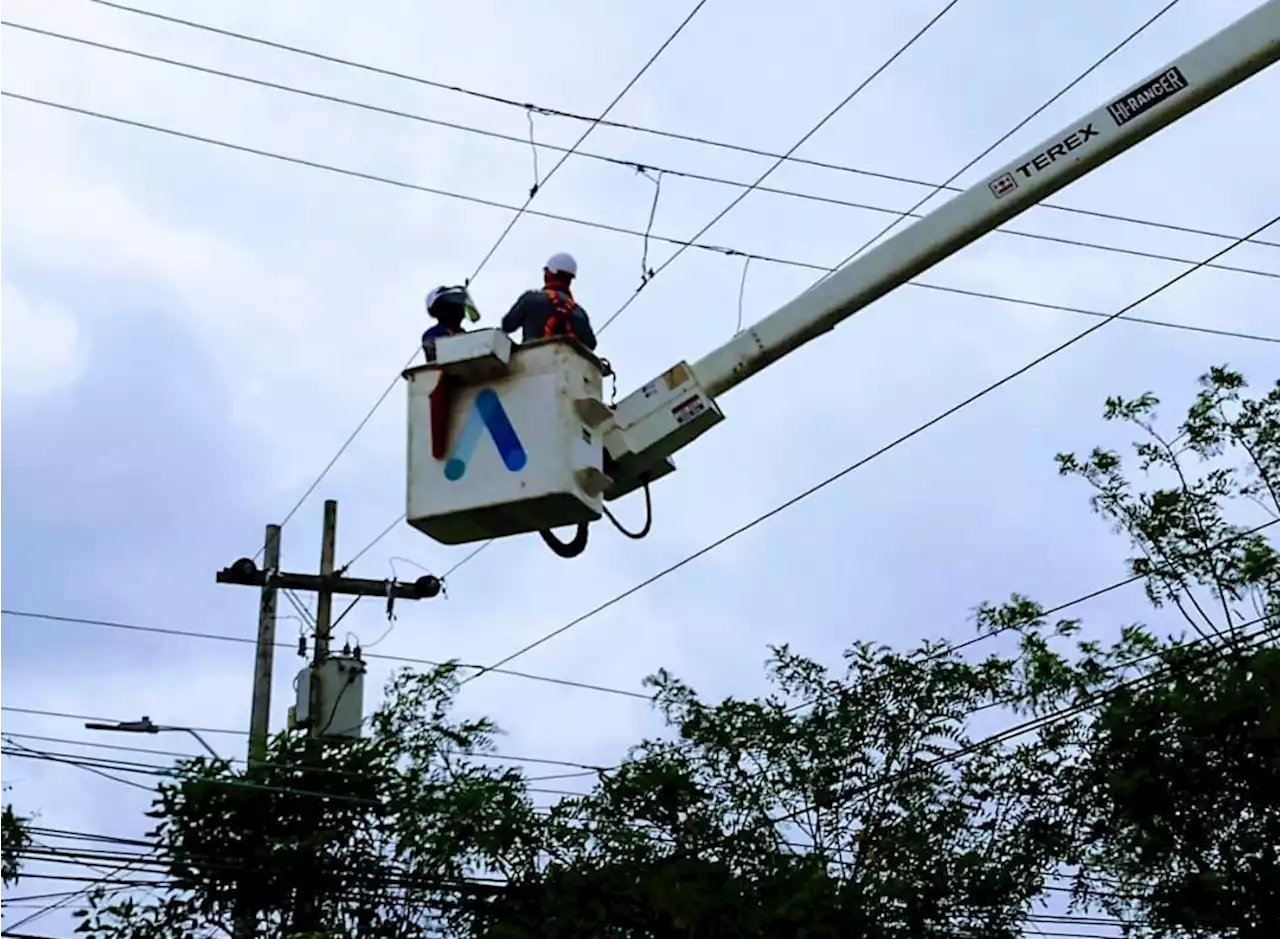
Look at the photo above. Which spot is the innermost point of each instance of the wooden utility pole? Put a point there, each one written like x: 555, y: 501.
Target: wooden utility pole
x: 324, y: 615
x: 260, y: 709
x: 325, y: 585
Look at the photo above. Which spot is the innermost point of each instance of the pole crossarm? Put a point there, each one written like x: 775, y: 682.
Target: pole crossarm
x: 245, y: 573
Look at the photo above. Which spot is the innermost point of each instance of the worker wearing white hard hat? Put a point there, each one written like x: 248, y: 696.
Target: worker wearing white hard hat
x: 448, y: 306
x: 562, y: 263
x: 552, y: 311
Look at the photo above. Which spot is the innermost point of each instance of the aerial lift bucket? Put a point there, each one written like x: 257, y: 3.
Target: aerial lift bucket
x: 504, y: 439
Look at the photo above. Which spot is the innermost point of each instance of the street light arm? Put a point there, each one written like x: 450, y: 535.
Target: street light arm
x: 146, y: 726
x: 204, y: 743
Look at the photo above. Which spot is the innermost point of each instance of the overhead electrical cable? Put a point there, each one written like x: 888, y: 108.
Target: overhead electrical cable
x: 184, y: 755
x: 635, y: 128
x: 632, y: 165
x: 63, y: 715
x: 105, y: 766
x: 634, y: 233
x: 737, y: 200
x: 1245, y: 642
x: 537, y: 187
x: 246, y: 640
x: 913, y: 213
x: 1157, y: 570
x: 319, y: 770
x: 910, y: 213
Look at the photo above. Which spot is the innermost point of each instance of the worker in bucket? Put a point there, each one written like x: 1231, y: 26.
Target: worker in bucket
x: 552, y: 311
x: 448, y: 306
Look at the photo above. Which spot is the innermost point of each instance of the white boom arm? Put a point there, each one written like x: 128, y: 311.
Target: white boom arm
x: 669, y: 412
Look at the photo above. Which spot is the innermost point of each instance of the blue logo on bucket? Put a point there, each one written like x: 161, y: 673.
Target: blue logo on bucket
x: 487, y: 414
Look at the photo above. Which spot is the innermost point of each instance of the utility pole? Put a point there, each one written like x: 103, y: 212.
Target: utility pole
x: 327, y: 584
x: 324, y: 615
x: 305, y: 916
x: 260, y: 709
x: 245, y: 924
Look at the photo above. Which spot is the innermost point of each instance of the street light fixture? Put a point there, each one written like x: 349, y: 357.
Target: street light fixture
x: 145, y: 726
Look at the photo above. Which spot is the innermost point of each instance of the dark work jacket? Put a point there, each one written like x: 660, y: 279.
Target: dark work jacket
x: 531, y: 312
x: 440, y: 330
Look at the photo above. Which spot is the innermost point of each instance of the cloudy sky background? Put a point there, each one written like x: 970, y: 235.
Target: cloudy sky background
x: 190, y: 333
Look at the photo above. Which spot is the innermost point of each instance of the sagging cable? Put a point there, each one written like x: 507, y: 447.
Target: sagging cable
x: 567, y: 549
x: 648, y: 518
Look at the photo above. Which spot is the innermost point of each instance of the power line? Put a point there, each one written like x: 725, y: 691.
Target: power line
x: 635, y: 128
x: 329, y: 770
x: 1114, y: 317
x: 634, y: 233
x: 65, y: 855
x: 63, y: 715
x: 100, y: 765
x: 537, y: 187
x: 107, y: 876
x: 38, y: 754
x: 330, y: 168
x: 951, y: 648
x: 914, y: 432
x: 910, y: 213
x: 901, y: 50
x: 183, y: 755
x: 633, y: 165
x: 89, y: 766
x: 243, y: 640
x: 1155, y: 571
x: 1013, y: 130
x: 1032, y: 725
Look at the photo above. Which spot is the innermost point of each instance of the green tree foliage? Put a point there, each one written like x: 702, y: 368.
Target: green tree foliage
x: 834, y: 806
x: 1177, y: 779
x: 16, y: 839
x: 361, y: 838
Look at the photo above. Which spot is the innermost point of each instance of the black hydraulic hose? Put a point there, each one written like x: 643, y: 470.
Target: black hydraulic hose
x: 567, y: 549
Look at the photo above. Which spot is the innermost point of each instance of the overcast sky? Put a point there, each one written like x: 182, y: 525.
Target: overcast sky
x: 190, y: 333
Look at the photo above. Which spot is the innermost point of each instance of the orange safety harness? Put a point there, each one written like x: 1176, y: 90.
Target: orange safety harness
x: 560, y: 322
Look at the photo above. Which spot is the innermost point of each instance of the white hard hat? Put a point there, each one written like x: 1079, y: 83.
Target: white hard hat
x: 457, y: 295
x: 562, y: 263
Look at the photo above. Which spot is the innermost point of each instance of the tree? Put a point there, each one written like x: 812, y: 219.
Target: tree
x: 1177, y: 779
x: 16, y: 840
x: 385, y: 831
x: 832, y: 807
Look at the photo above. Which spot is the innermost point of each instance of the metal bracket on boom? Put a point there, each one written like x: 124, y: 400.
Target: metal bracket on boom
x: 651, y: 424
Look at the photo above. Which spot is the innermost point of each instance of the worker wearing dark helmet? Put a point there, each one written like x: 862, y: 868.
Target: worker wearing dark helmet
x: 551, y: 311
x: 448, y: 306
